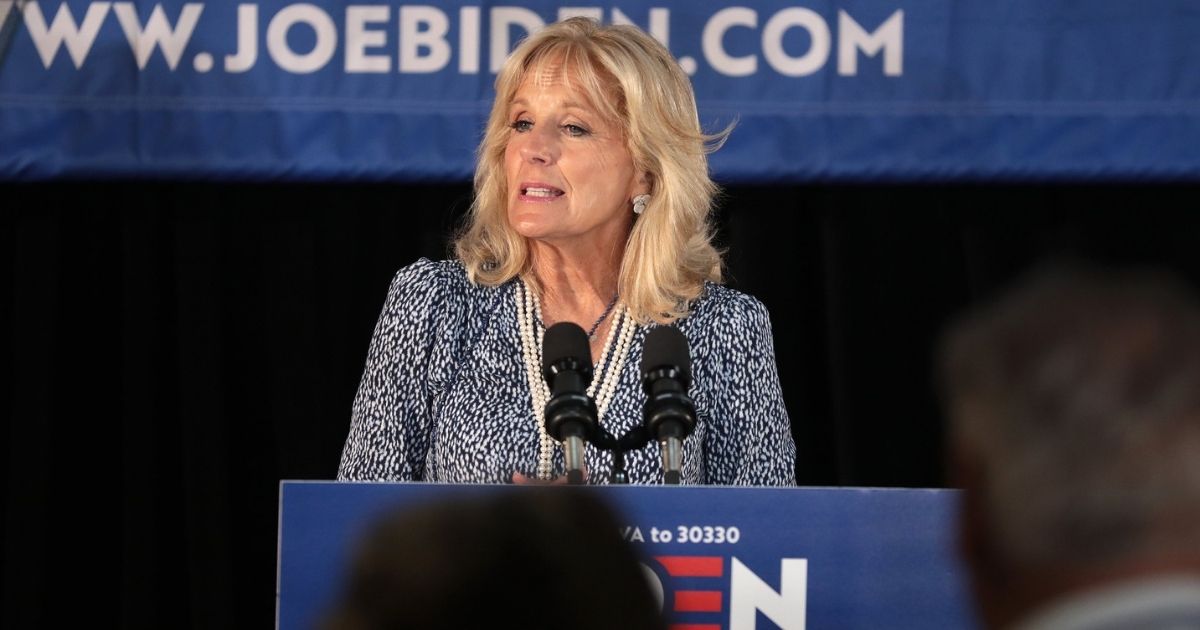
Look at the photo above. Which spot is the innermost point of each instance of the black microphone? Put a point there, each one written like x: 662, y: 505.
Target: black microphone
x: 669, y: 414
x: 570, y: 413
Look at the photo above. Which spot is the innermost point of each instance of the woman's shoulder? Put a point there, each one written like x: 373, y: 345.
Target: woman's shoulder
x: 719, y: 304
x: 432, y: 274
x: 438, y: 289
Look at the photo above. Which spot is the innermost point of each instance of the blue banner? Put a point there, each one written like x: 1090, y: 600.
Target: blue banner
x: 717, y: 558
x: 822, y: 90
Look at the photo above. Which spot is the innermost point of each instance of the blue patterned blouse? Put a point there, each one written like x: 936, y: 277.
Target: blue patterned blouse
x: 444, y: 395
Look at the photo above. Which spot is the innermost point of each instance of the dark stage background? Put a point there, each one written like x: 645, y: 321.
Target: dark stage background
x: 173, y: 350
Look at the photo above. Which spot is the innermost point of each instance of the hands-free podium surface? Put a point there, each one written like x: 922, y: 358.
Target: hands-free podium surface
x: 721, y: 557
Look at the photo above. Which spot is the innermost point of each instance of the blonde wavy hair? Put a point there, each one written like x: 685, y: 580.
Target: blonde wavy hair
x: 635, y: 83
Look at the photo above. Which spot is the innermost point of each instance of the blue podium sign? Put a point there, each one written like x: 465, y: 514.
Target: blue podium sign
x: 735, y: 558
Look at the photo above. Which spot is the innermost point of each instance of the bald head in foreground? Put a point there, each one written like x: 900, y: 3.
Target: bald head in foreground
x: 540, y: 559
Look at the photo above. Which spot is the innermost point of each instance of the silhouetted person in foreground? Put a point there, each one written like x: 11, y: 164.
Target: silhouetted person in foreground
x: 1075, y: 423
x: 531, y: 559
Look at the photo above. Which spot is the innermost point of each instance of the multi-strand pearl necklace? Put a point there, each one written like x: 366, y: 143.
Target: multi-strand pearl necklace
x: 607, y: 372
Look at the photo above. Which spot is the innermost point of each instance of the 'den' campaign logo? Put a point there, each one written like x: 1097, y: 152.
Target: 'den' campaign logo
x: 700, y: 585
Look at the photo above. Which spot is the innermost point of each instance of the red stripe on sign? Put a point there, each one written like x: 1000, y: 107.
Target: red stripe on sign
x: 694, y: 626
x: 698, y: 601
x: 693, y: 566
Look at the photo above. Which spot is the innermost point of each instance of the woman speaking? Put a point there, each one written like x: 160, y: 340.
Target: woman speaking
x: 592, y: 204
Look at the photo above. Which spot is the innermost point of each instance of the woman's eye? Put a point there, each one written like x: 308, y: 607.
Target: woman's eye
x: 521, y: 125
x: 575, y: 130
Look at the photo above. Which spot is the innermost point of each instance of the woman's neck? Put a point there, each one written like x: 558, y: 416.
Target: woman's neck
x: 578, y: 280
x: 577, y: 286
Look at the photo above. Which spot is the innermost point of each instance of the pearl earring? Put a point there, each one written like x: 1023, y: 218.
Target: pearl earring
x: 639, y: 203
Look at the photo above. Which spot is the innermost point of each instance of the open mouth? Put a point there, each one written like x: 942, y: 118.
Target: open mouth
x: 544, y: 192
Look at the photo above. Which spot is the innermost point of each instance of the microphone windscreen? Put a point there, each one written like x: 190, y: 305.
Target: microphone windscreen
x: 565, y: 340
x: 666, y: 347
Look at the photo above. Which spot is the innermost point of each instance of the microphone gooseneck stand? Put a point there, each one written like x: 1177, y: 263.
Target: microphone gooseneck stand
x: 632, y: 440
x: 668, y: 415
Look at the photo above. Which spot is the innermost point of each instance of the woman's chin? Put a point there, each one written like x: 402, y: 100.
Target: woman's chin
x: 533, y: 228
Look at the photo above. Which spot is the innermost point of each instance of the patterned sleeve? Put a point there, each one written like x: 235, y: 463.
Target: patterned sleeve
x: 749, y: 439
x: 391, y: 420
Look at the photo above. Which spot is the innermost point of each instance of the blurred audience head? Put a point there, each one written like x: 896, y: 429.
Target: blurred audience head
x: 1074, y: 406
x: 531, y: 559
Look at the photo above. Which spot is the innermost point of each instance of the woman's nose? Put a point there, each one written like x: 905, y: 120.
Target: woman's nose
x: 539, y: 147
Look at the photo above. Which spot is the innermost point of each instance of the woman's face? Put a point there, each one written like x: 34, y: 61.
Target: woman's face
x: 570, y: 176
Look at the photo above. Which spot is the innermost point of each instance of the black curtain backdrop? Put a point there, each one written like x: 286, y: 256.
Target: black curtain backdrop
x: 173, y: 350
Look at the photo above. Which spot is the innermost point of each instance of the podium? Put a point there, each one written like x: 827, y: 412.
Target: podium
x: 719, y: 557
